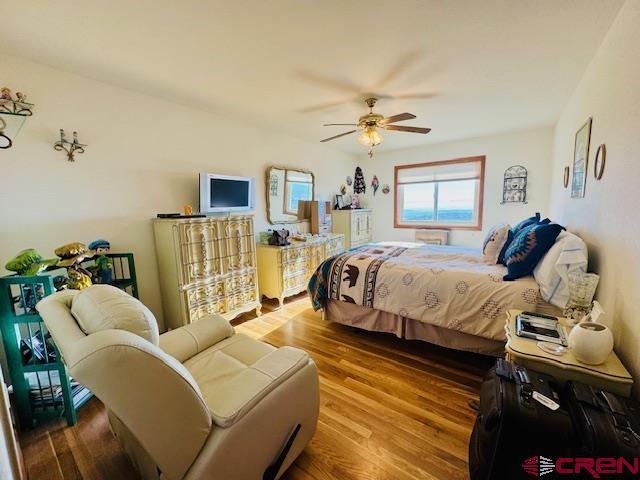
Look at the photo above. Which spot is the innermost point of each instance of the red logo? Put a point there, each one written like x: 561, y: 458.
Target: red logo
x: 596, y: 467
x: 538, y: 466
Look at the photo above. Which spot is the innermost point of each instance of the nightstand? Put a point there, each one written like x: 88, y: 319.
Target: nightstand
x: 610, y: 376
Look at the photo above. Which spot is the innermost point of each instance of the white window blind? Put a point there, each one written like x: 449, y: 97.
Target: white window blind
x: 440, y: 173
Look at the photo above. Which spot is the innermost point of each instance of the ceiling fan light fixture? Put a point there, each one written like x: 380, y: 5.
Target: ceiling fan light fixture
x: 370, y: 137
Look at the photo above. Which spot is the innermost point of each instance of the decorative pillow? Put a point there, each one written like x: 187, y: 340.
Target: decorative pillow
x: 525, y: 223
x: 103, y: 307
x: 496, y: 242
x: 528, y: 247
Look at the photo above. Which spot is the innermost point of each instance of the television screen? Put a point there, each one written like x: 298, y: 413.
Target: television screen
x: 224, y: 193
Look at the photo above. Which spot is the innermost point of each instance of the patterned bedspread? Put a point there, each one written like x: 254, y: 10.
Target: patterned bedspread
x: 446, y: 286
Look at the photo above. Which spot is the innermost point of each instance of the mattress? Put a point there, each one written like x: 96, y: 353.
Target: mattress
x: 443, y: 286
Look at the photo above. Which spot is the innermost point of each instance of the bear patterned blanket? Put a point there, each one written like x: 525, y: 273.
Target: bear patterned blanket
x: 447, y: 286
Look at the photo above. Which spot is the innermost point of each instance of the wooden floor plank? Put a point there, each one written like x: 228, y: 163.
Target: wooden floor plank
x: 390, y: 409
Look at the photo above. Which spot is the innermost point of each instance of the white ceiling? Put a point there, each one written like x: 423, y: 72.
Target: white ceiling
x: 484, y: 66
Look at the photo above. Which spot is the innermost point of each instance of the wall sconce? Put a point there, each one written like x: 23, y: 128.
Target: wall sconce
x: 70, y: 147
x: 13, y: 113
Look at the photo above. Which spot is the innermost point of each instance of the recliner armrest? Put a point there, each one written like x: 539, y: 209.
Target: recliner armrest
x: 186, y: 342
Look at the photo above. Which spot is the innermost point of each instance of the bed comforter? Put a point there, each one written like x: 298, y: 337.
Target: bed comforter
x: 447, y: 286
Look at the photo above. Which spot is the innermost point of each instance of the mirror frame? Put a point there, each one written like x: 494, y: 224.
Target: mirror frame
x: 267, y: 180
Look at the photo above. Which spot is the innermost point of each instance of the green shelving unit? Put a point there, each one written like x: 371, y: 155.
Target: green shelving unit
x: 41, y: 385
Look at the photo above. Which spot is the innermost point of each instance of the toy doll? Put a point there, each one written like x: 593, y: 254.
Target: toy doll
x: 104, y: 264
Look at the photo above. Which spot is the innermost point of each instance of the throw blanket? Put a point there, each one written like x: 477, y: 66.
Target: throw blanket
x: 446, y: 286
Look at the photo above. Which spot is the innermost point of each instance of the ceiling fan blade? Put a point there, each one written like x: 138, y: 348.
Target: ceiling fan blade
x: 397, y: 118
x: 338, y: 136
x: 403, y: 128
x: 343, y: 124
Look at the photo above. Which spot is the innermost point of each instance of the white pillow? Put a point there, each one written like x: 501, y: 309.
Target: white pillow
x: 103, y: 307
x: 494, y: 243
x: 567, y: 255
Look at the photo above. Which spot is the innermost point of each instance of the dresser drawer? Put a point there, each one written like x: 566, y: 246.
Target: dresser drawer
x: 296, y: 283
x: 235, y: 245
x: 201, y: 271
x: 295, y: 268
x: 204, y: 294
x: 241, y: 299
x: 242, y: 282
x: 238, y: 263
x: 200, y: 251
x: 217, y: 307
x: 198, y: 232
x: 236, y: 227
x: 295, y: 254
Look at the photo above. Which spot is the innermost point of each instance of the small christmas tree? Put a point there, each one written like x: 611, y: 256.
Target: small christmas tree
x: 359, y: 185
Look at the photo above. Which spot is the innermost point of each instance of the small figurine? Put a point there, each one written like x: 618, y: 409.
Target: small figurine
x: 187, y: 210
x: 104, y: 264
x: 21, y: 97
x: 71, y: 256
x: 5, y: 93
x: 375, y: 183
x: 29, y: 262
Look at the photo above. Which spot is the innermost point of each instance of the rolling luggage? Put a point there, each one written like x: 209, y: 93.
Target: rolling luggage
x: 518, y: 432
x: 606, y: 426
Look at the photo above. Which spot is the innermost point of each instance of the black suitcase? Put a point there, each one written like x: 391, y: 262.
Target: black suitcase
x: 515, y: 436
x: 607, y: 426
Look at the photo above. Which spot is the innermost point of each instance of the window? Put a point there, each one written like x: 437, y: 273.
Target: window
x: 298, y: 186
x: 444, y: 194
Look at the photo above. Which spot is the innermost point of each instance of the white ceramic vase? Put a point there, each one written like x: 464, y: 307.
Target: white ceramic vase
x: 591, y: 342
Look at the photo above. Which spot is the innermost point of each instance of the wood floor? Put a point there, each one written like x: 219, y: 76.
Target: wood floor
x: 390, y: 409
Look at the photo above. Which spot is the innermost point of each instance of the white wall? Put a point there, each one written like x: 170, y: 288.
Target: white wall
x: 531, y: 148
x: 607, y: 218
x: 143, y: 157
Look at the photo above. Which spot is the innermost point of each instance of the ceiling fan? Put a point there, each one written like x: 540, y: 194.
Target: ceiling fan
x: 372, y: 122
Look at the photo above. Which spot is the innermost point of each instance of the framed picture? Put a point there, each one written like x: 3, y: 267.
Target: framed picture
x: 580, y: 160
x: 339, y: 202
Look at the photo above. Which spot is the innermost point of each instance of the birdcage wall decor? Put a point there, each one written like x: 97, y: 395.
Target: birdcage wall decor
x: 514, y: 189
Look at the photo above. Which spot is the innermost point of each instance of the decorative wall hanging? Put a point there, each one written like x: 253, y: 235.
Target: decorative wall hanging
x: 273, y: 185
x: 359, y: 185
x: 13, y: 112
x: 386, y: 189
x: 600, y: 161
x: 70, y: 147
x: 581, y: 160
x: 343, y: 189
x: 566, y: 177
x: 349, y: 180
x: 375, y: 183
x: 514, y: 189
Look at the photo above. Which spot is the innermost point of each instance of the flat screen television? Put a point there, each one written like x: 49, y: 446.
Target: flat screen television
x: 225, y: 193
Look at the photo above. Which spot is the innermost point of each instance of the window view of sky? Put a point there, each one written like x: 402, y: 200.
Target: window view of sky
x: 456, y: 201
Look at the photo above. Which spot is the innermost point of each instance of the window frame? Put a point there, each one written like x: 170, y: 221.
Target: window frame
x: 287, y: 191
x: 397, y: 223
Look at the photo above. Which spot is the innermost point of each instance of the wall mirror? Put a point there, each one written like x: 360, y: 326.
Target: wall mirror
x: 285, y: 188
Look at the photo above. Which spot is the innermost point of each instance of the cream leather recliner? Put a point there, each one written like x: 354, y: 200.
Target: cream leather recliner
x: 198, y: 402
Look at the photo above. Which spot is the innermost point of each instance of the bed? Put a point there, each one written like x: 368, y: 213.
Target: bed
x: 445, y: 295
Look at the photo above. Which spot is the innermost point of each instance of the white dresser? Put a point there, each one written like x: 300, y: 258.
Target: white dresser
x: 206, y: 265
x: 285, y: 271
x: 355, y: 225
